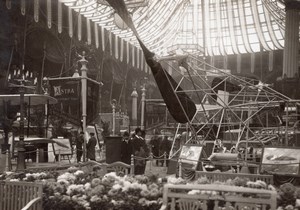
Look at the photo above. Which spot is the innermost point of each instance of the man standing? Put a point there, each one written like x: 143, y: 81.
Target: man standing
x: 126, y: 149
x: 140, y: 151
x: 79, y: 143
x: 90, y: 147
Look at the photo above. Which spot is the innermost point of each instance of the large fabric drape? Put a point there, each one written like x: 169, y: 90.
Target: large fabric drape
x: 180, y: 106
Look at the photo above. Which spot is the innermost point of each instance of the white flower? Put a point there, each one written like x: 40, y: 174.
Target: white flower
x: 9, y: 173
x: 174, y: 180
x: 87, y: 186
x: 66, y: 176
x: 14, y: 180
x: 95, y: 198
x: 116, y: 186
x: 297, y: 203
x: 73, y: 188
x: 194, y: 192
x: 79, y: 172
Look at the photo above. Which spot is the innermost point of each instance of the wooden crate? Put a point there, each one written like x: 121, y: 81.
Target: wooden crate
x: 217, y: 197
x: 20, y: 195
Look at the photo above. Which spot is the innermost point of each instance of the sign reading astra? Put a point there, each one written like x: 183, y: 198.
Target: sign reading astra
x: 59, y: 91
x: 65, y: 89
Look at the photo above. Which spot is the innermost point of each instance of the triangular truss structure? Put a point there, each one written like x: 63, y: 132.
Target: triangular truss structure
x: 236, y: 108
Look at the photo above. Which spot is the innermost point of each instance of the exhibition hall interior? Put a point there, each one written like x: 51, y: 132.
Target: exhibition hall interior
x: 149, y: 104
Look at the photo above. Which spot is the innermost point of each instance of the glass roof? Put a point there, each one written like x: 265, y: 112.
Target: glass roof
x: 173, y: 26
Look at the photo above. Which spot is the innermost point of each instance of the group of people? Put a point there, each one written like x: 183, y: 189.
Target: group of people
x: 135, y: 145
x: 90, y: 147
x: 132, y: 144
x: 160, y: 146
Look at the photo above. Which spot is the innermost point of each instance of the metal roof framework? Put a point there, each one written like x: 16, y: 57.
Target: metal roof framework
x: 231, y: 27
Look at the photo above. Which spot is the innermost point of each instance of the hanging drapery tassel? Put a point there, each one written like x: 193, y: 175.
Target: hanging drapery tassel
x: 225, y: 62
x: 238, y: 60
x: 137, y: 58
x: 212, y: 60
x: 59, y: 17
x: 70, y: 19
x: 96, y: 35
x: 49, y: 13
x: 142, y: 61
x: 116, y: 47
x: 127, y: 51
x: 23, y: 7
x: 121, y: 49
x: 89, y: 33
x: 271, y: 58
x: 133, y: 55
x: 79, y: 30
x: 252, y: 62
x: 110, y: 43
x: 103, y: 38
x: 146, y: 67
x: 36, y: 6
x: 8, y: 4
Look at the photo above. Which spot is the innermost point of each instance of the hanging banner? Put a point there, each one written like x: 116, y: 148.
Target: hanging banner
x: 96, y: 35
x: 271, y: 58
x: 79, y: 29
x: 23, y: 7
x: 59, y: 17
x: 89, y: 32
x: 36, y: 7
x: 70, y: 17
x: 122, y: 48
x: 8, y: 4
x: 49, y: 14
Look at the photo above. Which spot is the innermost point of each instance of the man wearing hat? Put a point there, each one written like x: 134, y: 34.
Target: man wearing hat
x: 90, y: 147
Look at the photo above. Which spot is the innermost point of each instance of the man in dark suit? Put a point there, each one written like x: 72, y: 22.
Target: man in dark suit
x: 126, y: 148
x: 90, y: 147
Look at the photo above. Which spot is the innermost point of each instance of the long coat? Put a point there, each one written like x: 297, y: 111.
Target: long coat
x: 90, y: 147
x: 126, y: 151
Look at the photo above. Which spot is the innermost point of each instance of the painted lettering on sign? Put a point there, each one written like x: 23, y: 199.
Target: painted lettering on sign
x: 58, y: 91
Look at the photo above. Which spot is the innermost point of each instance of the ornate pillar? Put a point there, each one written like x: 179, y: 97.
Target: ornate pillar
x: 134, y: 96
x: 143, y: 107
x: 291, y: 44
x: 83, y: 70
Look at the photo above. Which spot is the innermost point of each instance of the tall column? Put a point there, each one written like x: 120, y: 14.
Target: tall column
x: 113, y: 106
x: 83, y: 69
x: 291, y: 44
x: 21, y: 147
x: 134, y: 96
x: 143, y: 107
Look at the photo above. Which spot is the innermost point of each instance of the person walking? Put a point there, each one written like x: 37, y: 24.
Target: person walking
x: 79, y: 143
x: 126, y: 148
x: 91, y: 147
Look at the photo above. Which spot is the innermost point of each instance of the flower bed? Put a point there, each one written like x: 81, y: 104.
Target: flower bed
x: 76, y: 189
